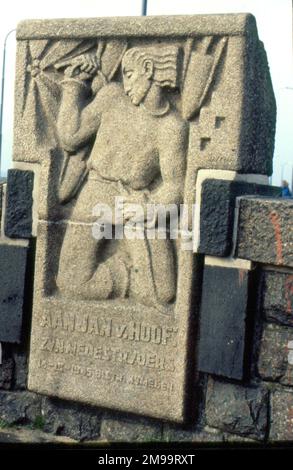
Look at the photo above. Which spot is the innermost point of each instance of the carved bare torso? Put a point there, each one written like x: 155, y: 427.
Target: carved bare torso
x: 131, y: 144
x: 127, y: 145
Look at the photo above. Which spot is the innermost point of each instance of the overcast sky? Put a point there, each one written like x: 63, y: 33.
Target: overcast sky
x: 274, y: 20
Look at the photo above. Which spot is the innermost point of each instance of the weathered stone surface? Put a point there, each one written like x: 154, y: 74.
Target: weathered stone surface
x: 223, y: 321
x: 276, y: 354
x: 19, y: 407
x: 264, y: 233
x: 70, y: 419
x: 19, y: 204
x: 281, y: 415
x: 127, y: 430
x: 277, y: 297
x: 12, y: 281
x: 237, y: 409
x: 134, y: 115
x: 217, y: 212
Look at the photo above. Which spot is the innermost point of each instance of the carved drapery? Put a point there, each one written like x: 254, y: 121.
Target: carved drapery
x: 42, y: 94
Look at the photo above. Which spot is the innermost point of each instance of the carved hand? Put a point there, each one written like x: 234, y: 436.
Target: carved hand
x: 83, y: 67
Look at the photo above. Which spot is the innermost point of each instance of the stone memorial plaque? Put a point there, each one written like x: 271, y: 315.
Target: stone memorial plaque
x: 114, y: 116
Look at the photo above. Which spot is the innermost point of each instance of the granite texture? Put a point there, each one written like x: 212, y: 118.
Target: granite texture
x: 277, y: 297
x: 276, y: 355
x: 233, y: 24
x: 217, y: 212
x: 264, y: 230
x: 281, y: 415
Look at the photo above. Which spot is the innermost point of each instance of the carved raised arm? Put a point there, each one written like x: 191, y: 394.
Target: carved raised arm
x: 77, y: 123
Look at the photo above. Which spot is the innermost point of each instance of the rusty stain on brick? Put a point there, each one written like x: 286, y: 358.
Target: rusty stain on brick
x: 274, y: 218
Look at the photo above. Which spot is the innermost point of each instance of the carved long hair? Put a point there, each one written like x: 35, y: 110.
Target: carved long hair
x: 165, y: 60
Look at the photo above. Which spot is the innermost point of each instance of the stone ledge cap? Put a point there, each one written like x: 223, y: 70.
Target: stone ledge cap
x: 240, y: 24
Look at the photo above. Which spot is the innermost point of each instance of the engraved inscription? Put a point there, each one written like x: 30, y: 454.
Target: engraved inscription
x: 107, y: 354
x: 106, y: 327
x: 107, y: 375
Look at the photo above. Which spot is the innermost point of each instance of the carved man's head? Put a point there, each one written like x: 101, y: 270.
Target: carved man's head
x: 143, y: 67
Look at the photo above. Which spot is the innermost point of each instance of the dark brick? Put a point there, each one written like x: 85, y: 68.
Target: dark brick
x: 19, y: 407
x: 130, y: 430
x: 277, y: 297
x: 20, y: 370
x: 6, y: 372
x: 66, y: 418
x: 237, y: 409
x: 281, y: 415
x: 276, y: 354
x: 217, y: 212
x: 12, y: 281
x: 265, y: 230
x: 19, y: 204
x: 223, y: 315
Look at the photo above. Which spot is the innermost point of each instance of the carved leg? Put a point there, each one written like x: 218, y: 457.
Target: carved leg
x: 80, y: 274
x: 153, y: 273
x: 78, y: 264
x: 164, y: 269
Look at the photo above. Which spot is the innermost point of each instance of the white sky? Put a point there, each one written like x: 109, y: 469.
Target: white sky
x: 274, y: 20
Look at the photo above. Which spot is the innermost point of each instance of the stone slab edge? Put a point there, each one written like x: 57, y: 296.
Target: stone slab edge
x: 155, y: 26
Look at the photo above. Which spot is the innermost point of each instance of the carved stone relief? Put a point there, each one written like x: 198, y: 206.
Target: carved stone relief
x: 129, y: 116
